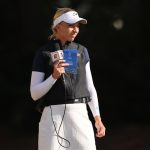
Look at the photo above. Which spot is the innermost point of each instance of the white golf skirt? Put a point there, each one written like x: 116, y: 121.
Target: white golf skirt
x: 76, y: 128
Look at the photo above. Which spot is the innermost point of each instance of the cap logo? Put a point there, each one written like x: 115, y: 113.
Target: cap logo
x: 75, y: 13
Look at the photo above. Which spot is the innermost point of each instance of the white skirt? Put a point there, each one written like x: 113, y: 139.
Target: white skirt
x: 76, y: 128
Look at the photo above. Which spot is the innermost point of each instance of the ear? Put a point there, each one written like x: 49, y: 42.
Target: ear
x: 57, y: 27
x: 55, y: 30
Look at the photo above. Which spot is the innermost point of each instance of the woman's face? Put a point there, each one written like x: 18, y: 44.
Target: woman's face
x: 67, y: 32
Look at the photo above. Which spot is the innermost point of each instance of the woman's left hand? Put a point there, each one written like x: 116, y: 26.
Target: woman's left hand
x: 100, y: 127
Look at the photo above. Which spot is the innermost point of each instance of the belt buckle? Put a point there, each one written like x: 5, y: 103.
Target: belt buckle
x: 76, y: 100
x: 84, y: 100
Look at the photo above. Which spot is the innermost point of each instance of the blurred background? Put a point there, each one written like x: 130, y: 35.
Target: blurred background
x: 117, y: 38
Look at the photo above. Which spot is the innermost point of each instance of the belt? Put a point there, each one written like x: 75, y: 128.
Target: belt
x: 78, y: 100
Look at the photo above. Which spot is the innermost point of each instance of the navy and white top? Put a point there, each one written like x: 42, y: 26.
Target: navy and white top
x: 79, y: 85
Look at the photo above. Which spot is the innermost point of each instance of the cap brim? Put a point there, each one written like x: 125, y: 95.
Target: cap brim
x: 83, y: 21
x: 80, y: 20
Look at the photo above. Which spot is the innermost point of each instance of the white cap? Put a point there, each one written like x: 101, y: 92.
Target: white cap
x: 70, y: 17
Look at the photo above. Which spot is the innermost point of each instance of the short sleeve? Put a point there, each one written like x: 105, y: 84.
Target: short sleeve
x: 86, y: 54
x: 39, y: 62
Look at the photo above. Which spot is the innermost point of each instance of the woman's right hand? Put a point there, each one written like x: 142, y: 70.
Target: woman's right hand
x: 59, y: 68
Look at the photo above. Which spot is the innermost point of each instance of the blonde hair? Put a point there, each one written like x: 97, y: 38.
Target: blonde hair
x: 58, y: 13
